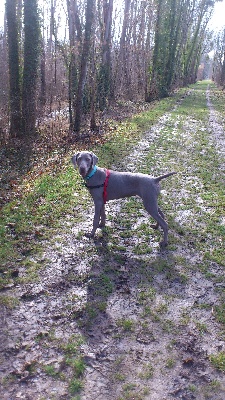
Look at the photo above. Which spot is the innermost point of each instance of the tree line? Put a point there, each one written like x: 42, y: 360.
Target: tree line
x: 104, y: 51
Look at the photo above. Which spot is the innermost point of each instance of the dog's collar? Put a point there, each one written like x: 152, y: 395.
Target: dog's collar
x: 104, y: 185
x: 87, y: 177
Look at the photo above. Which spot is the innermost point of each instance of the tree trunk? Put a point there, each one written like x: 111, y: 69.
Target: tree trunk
x: 105, y: 81
x: 155, y: 87
x: 43, y: 77
x: 84, y: 63
x: 14, y: 69
x: 75, y: 40
x: 93, y: 125
x: 123, y: 73
x: 31, y: 53
x: 222, y: 77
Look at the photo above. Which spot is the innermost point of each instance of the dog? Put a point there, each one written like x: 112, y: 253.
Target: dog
x: 105, y: 185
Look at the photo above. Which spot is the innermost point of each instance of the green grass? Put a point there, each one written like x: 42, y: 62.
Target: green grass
x: 147, y: 372
x: 74, y: 364
x: 218, y: 360
x: 142, y: 248
x: 26, y: 222
x: 72, y: 346
x: 50, y: 370
x: 78, y: 366
x: 220, y: 313
x: 127, y: 325
x: 170, y: 363
x: 102, y: 285
x: 75, y: 386
x: 9, y: 302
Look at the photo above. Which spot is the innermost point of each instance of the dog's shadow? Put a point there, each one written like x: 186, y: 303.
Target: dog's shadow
x: 117, y: 277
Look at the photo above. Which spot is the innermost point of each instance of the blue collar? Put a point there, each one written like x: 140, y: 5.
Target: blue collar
x: 91, y: 173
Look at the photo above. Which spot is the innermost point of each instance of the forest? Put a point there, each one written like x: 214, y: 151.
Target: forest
x: 63, y: 64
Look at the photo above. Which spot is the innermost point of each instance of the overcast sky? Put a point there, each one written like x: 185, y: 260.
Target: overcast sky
x: 218, y: 21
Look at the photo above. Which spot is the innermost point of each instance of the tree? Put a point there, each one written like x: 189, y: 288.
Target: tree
x: 14, y: 68
x: 195, y: 41
x: 75, y: 42
x: 30, y: 70
x: 219, y: 59
x: 222, y: 75
x: 43, y: 76
x: 84, y: 62
x: 105, y: 89
x: 123, y: 70
x: 156, y: 75
x: 179, y: 33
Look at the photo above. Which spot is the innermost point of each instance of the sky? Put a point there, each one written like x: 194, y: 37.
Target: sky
x: 217, y: 21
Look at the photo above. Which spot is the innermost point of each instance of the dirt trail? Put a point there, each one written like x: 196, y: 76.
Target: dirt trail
x: 142, y: 321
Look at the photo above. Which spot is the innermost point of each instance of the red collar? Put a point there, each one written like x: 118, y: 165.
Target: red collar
x: 105, y: 185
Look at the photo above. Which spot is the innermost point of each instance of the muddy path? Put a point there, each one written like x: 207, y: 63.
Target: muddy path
x: 115, y: 317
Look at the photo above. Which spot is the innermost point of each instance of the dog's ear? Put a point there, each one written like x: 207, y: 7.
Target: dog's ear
x: 94, y: 158
x: 74, y: 159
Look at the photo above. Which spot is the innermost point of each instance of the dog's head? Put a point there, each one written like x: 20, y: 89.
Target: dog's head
x: 85, y: 161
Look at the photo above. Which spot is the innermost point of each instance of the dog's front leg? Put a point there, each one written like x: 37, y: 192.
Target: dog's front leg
x: 98, y: 207
x: 103, y: 217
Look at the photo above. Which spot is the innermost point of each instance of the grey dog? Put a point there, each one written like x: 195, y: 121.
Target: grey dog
x: 105, y: 185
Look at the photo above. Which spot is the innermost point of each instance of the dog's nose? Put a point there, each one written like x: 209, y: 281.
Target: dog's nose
x: 82, y: 171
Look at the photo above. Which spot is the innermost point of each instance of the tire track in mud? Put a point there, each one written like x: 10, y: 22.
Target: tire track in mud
x: 148, y: 318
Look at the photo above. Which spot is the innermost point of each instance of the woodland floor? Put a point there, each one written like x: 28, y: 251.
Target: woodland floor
x: 116, y: 318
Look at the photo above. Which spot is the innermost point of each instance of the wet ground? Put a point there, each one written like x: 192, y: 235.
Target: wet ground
x: 116, y: 317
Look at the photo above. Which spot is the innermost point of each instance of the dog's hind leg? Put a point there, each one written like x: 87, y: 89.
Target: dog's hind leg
x: 155, y: 226
x: 158, y: 216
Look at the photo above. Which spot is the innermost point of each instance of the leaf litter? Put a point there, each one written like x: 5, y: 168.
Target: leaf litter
x: 143, y: 322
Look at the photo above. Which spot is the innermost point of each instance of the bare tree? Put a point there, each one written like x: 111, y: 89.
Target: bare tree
x: 30, y: 70
x: 105, y: 87
x: 43, y: 76
x: 122, y: 74
x: 219, y: 59
x: 89, y: 14
x: 14, y: 68
x: 75, y: 42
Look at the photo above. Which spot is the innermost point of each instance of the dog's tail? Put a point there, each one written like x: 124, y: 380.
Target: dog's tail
x: 157, y: 180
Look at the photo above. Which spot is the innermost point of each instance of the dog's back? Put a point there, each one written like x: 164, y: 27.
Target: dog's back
x: 127, y: 184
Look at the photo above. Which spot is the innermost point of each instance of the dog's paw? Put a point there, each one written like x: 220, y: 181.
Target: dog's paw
x: 163, y: 245
x: 154, y: 226
x: 89, y: 235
